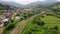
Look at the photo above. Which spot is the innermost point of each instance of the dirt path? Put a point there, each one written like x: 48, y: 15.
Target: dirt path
x: 1, y: 29
x: 20, y: 27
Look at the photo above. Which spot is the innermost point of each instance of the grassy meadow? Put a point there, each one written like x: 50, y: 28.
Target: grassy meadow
x: 51, y: 22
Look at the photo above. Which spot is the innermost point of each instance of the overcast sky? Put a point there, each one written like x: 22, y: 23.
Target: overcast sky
x: 24, y: 1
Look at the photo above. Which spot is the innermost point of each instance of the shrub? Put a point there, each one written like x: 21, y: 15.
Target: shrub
x: 29, y: 32
x: 42, y: 16
x: 38, y: 21
x: 25, y: 17
x: 5, y: 24
x: 56, y: 27
x: 50, y: 15
x: 8, y: 28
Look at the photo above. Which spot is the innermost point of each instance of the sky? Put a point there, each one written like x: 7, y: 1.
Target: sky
x: 24, y: 1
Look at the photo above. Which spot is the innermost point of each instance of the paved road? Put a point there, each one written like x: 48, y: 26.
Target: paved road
x: 20, y: 27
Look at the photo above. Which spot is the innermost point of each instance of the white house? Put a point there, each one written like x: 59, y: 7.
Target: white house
x: 3, y: 21
x: 17, y: 18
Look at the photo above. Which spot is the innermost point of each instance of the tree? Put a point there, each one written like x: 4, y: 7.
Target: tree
x: 38, y: 21
x: 25, y: 15
x: 56, y: 27
x: 29, y: 32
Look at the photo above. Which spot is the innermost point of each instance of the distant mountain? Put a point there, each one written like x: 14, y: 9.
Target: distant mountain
x: 11, y: 3
x: 55, y: 4
x: 34, y: 4
x: 4, y: 7
x: 42, y: 3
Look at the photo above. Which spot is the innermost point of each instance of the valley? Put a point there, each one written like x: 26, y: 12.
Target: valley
x: 40, y: 17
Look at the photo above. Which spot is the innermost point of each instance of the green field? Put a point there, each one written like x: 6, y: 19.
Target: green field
x: 51, y: 21
x: 48, y: 28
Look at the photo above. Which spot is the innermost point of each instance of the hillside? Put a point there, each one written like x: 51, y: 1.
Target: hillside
x: 41, y: 3
x: 4, y: 7
x: 40, y: 17
x: 55, y: 8
x: 12, y: 4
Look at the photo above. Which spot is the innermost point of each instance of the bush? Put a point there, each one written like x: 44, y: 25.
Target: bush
x: 8, y: 28
x: 50, y: 31
x: 5, y: 24
x: 29, y: 32
x: 18, y: 15
x: 33, y: 29
x: 56, y: 27
x: 38, y: 21
x: 50, y: 15
x: 25, y: 16
x: 42, y: 16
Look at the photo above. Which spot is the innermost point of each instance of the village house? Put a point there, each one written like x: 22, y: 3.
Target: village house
x: 17, y: 18
x: 26, y: 10
x: 3, y: 21
x: 5, y: 16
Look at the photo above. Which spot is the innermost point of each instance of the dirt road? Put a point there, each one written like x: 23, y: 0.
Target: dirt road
x: 22, y: 24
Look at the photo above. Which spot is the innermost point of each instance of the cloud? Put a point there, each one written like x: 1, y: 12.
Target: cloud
x: 58, y: 0
x: 24, y: 1
x: 21, y: 1
x: 42, y: 0
x: 6, y: 0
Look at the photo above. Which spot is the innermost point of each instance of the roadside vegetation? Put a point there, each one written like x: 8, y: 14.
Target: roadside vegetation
x: 12, y: 23
x: 47, y: 24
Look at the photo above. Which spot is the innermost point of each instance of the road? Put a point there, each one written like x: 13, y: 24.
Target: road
x: 21, y: 26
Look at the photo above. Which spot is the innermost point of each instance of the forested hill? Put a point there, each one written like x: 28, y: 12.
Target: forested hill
x: 4, y: 7
x: 55, y: 6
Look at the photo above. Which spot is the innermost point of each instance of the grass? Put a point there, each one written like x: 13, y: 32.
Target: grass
x: 50, y: 21
x: 15, y: 22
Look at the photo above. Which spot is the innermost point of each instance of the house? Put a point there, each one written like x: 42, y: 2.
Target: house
x: 9, y: 13
x: 3, y: 21
x: 26, y: 10
x: 5, y: 16
x: 17, y: 18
